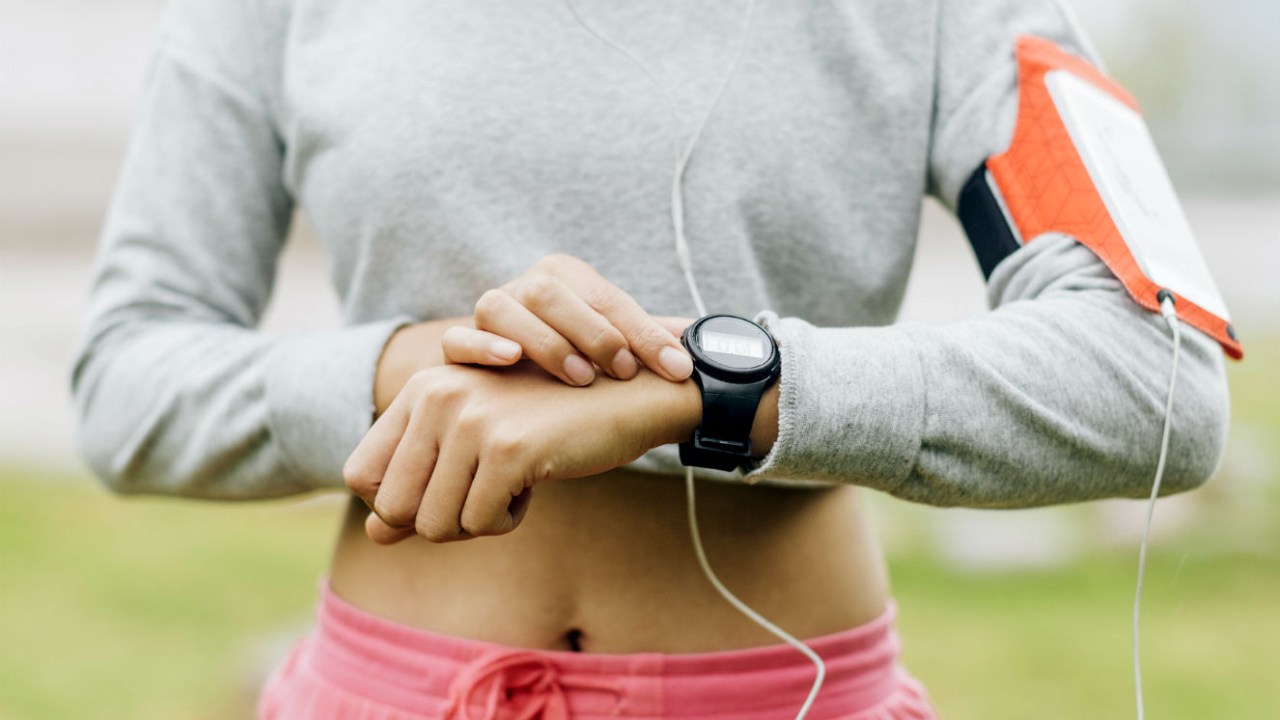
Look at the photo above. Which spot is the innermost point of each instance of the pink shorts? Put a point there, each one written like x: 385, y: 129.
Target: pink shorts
x: 358, y: 666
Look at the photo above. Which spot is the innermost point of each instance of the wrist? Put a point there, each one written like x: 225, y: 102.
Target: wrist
x: 736, y: 369
x: 764, y: 431
x: 673, y: 409
x: 410, y: 349
x: 676, y: 408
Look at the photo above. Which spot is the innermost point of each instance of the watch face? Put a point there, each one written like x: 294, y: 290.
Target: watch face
x: 738, y: 346
x: 733, y: 345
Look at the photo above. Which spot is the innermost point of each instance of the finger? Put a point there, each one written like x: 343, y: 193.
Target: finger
x: 652, y: 343
x: 400, y: 493
x: 382, y: 533
x: 464, y: 345
x: 519, y: 506
x: 673, y: 325
x: 365, y: 467
x: 489, y: 507
x: 439, y: 516
x: 556, y: 304
x: 501, y: 314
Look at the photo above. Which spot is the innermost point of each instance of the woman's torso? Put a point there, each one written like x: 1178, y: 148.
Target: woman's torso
x: 606, y: 564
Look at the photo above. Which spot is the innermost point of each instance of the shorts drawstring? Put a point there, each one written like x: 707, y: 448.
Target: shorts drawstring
x: 523, y: 682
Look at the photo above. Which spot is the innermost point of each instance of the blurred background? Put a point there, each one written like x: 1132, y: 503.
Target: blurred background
x: 156, y: 608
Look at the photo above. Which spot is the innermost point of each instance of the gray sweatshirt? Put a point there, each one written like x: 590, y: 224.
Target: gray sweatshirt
x: 440, y: 148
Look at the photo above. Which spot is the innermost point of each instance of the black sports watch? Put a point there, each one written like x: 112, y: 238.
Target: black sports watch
x: 734, y: 361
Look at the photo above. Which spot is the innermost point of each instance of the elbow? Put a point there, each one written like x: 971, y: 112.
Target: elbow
x: 112, y: 444
x: 135, y: 445
x: 91, y: 434
x: 103, y: 463
x: 1201, y: 446
x: 1201, y: 415
x: 104, y: 446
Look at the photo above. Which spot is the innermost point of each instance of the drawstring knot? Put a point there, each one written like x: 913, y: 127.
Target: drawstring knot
x: 523, y: 683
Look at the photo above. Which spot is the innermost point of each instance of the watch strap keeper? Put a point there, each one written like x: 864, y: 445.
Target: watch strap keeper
x: 723, y: 440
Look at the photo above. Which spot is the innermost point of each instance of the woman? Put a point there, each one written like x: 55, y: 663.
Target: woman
x: 494, y: 167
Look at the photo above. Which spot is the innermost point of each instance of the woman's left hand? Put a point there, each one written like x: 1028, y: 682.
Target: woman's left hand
x: 565, y: 317
x: 459, y: 451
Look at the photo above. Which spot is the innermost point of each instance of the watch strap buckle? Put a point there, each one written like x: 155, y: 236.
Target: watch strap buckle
x: 715, y: 453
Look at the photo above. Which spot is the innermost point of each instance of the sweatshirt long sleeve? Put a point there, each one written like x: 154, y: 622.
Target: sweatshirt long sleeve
x: 1057, y: 394
x: 439, y: 149
x: 177, y: 389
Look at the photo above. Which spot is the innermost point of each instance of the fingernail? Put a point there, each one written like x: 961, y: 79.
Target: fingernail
x: 677, y: 364
x: 504, y: 349
x: 579, y: 370
x: 624, y: 364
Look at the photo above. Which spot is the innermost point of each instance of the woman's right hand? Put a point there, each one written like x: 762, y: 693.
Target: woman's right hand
x: 562, y: 315
x: 460, y: 450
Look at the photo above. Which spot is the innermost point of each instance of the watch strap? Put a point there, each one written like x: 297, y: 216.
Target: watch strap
x: 723, y: 440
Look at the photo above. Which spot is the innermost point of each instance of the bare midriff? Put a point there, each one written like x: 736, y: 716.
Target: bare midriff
x: 605, y: 564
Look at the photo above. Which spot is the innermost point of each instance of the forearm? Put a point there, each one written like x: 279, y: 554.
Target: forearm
x: 495, y: 433
x: 1055, y: 396
x: 677, y: 410
x: 216, y: 410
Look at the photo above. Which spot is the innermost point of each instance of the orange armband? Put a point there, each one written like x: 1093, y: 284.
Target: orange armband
x: 1082, y: 163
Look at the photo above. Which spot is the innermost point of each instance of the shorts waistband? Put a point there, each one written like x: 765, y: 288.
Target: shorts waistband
x: 443, y: 676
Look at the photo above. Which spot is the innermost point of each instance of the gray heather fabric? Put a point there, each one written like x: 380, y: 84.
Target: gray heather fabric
x: 440, y: 148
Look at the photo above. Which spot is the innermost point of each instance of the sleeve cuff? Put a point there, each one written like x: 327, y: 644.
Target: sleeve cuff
x: 319, y: 390
x: 851, y: 406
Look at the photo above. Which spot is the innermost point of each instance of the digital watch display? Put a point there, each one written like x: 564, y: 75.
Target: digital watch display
x: 734, y: 361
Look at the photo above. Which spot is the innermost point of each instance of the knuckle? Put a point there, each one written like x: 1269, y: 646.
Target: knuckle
x: 539, y: 291
x: 488, y: 305
x: 357, y: 476
x: 426, y: 381
x: 417, y: 381
x: 543, y: 471
x: 441, y: 388
x: 431, y: 528
x: 392, y: 511
x: 505, y: 446
x: 470, y: 421
x: 473, y: 524
x: 550, y: 345
x: 650, y: 338
x: 453, y: 384
x: 605, y: 342
x: 605, y: 297
x: 558, y: 262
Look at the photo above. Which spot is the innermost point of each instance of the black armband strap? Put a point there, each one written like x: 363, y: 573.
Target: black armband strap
x: 985, y: 223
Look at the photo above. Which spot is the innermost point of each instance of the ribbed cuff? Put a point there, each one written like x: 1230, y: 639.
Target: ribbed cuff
x: 851, y: 406
x: 320, y: 396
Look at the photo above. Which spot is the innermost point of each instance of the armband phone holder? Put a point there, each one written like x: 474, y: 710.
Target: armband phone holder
x: 1082, y: 163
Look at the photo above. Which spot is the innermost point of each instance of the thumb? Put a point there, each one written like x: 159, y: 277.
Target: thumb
x: 384, y: 534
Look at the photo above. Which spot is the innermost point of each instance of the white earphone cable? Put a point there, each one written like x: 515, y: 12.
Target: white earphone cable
x: 686, y: 264
x: 681, y: 158
x: 1170, y: 318
x: 745, y: 609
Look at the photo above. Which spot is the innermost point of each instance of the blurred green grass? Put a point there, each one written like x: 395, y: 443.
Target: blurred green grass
x: 148, y: 608
x: 169, y: 609
x: 1056, y: 644
x: 160, y: 608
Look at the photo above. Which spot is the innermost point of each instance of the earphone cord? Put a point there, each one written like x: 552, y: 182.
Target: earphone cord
x: 1170, y: 318
x: 686, y: 264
